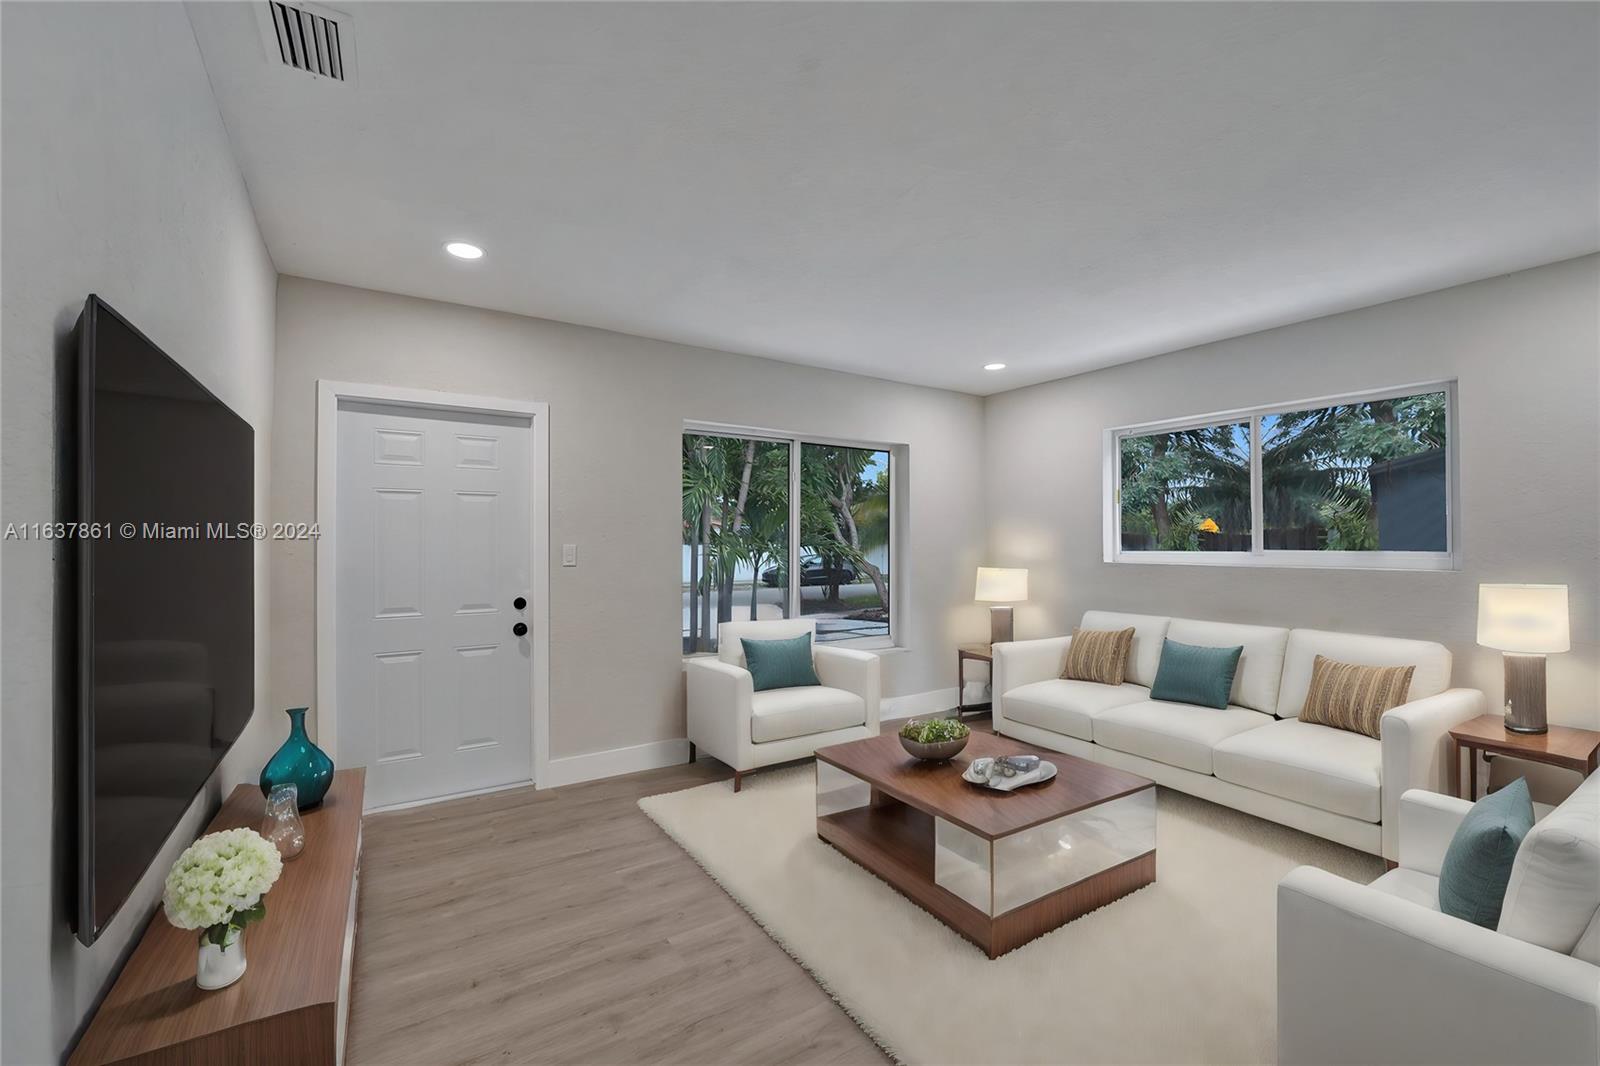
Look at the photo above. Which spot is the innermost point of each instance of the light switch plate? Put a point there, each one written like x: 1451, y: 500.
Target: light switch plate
x: 569, y: 555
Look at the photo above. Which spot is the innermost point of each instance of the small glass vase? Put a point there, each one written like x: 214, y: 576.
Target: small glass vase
x: 219, y: 967
x: 300, y: 763
x: 281, y: 824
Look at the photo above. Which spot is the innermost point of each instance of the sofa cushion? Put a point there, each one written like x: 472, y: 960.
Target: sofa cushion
x: 780, y: 663
x: 1328, y: 769
x: 1414, y: 885
x: 781, y: 713
x: 1098, y: 655
x: 730, y: 635
x: 1353, y: 697
x: 1149, y: 630
x: 1555, y: 883
x: 1255, y: 682
x: 1477, y: 865
x: 1068, y: 707
x: 1432, y: 662
x: 1178, y: 734
x: 1190, y: 673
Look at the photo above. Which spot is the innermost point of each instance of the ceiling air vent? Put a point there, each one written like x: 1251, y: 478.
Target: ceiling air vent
x: 310, y: 38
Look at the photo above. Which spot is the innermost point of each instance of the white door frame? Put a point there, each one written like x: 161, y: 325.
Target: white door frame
x: 329, y: 395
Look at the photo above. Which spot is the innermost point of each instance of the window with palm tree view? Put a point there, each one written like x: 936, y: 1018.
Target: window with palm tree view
x: 754, y: 547
x: 1364, y: 476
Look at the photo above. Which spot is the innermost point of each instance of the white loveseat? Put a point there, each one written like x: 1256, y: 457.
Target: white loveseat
x: 1255, y: 755
x: 1376, y: 973
x: 748, y: 729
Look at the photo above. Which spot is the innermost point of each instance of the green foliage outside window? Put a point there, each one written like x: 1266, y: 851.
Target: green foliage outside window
x: 736, y: 517
x: 1350, y: 477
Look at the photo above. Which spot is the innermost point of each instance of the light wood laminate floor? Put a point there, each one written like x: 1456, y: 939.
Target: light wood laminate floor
x: 562, y: 926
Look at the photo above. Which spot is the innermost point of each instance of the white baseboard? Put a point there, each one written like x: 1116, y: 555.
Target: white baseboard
x: 594, y: 765
x: 917, y: 703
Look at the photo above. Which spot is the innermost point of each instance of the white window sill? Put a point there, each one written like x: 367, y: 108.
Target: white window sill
x: 1419, y: 562
x: 862, y: 645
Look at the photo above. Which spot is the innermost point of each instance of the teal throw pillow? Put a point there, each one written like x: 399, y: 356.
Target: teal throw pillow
x: 1477, y: 865
x: 1192, y: 674
x: 780, y: 663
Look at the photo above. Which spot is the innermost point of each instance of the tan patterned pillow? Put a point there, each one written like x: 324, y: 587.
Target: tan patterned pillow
x: 1098, y: 655
x: 1353, y: 697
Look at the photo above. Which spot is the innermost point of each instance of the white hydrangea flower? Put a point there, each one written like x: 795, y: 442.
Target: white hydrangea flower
x: 218, y: 876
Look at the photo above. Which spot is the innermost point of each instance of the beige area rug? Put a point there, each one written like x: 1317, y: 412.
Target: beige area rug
x: 1182, y: 970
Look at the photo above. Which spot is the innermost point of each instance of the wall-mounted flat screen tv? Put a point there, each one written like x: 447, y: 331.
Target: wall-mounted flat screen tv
x: 166, y: 601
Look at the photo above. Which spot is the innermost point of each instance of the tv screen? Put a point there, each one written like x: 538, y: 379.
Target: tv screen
x: 166, y: 627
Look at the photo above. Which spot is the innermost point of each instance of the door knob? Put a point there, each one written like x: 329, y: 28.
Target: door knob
x: 519, y: 603
x: 520, y: 629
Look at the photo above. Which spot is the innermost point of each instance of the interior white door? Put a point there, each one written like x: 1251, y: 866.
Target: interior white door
x: 434, y: 682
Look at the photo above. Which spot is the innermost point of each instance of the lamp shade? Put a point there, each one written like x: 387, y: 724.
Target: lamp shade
x: 1531, y: 619
x: 999, y: 585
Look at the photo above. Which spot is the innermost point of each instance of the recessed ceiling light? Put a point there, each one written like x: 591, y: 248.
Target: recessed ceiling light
x: 463, y: 250
x: 994, y: 366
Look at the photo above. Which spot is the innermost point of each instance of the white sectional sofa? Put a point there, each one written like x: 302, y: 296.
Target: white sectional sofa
x: 1255, y: 755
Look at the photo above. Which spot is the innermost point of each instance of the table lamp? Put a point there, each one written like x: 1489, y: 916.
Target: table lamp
x: 997, y: 585
x: 1526, y: 622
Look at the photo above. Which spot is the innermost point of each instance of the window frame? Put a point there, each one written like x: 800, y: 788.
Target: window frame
x: 897, y: 555
x: 1258, y: 555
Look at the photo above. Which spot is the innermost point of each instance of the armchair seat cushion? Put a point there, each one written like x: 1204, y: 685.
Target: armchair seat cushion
x: 1413, y: 885
x: 1178, y: 734
x: 782, y: 713
x: 1330, y: 769
x: 1068, y: 707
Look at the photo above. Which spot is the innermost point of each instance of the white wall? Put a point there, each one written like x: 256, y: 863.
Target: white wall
x: 118, y: 180
x: 1526, y: 351
x: 617, y: 408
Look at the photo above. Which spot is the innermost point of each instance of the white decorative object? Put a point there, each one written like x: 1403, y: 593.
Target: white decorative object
x: 220, y: 965
x: 218, y: 886
x: 977, y: 772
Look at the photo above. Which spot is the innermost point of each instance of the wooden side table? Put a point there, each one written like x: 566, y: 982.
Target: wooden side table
x: 1563, y: 746
x: 983, y: 653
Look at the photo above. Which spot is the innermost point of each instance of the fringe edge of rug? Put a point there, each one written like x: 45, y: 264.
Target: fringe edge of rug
x: 865, y: 1026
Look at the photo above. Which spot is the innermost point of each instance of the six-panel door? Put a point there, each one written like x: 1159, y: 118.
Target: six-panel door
x: 432, y: 551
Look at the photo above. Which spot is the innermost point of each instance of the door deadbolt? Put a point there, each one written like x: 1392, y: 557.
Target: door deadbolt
x: 519, y: 603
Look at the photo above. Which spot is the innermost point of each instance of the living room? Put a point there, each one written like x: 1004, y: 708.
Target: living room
x: 1134, y: 472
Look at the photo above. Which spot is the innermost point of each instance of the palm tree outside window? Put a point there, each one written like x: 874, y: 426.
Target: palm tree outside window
x: 772, y: 528
x: 1363, y: 481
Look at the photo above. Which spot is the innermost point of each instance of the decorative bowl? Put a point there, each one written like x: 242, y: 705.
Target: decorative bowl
x: 939, y: 751
x: 934, y: 740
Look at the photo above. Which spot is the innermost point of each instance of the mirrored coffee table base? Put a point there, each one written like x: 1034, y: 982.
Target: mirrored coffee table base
x: 1000, y: 870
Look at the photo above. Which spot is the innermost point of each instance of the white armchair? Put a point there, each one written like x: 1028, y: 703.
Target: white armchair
x: 1376, y: 973
x: 748, y: 729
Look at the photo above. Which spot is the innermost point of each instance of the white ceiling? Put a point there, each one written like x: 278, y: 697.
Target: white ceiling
x: 913, y: 190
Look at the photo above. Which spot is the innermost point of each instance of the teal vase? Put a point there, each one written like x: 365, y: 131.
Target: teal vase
x: 299, y: 763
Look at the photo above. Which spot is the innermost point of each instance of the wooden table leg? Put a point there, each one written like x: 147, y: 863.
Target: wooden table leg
x: 961, y: 685
x: 1455, y: 768
x: 1472, y: 774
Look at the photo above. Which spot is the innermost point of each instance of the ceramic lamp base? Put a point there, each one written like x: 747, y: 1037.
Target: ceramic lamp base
x: 1525, y: 708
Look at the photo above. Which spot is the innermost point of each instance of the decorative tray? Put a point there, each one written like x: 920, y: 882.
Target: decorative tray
x: 1047, y: 770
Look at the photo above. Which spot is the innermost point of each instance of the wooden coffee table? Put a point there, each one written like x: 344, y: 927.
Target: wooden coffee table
x: 999, y: 868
